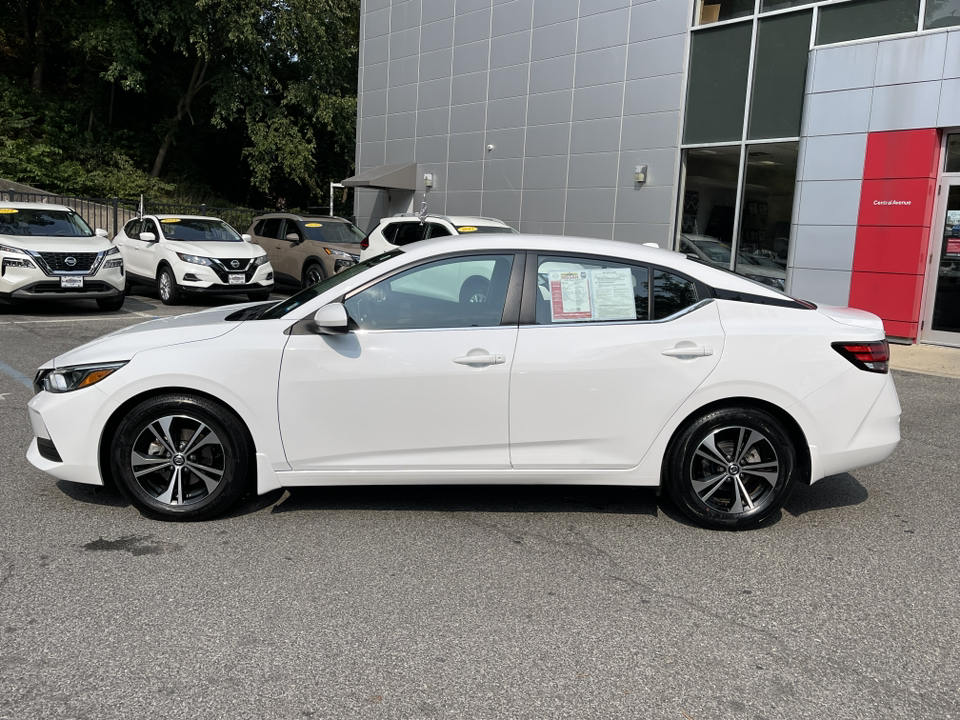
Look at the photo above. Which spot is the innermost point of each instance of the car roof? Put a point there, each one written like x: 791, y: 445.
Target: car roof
x: 184, y: 217
x: 635, y: 251
x: 35, y: 206
x: 296, y: 216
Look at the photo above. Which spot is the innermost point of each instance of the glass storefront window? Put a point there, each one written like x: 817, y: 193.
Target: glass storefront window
x: 717, y: 89
x: 946, y: 301
x: 709, y: 199
x: 941, y: 13
x: 770, y: 5
x: 780, y: 71
x: 952, y: 163
x: 865, y: 19
x: 711, y: 11
x: 765, y: 214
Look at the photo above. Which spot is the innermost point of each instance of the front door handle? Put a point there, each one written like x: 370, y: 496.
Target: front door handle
x: 481, y: 360
x: 688, y: 351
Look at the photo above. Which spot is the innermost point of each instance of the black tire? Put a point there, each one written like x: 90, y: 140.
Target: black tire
x: 474, y: 289
x: 167, y: 286
x: 312, y: 274
x: 111, y: 304
x: 749, y: 480
x: 258, y: 296
x: 167, y: 484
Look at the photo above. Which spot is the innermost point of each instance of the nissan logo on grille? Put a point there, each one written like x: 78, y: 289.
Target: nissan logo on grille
x: 70, y: 260
x: 234, y: 264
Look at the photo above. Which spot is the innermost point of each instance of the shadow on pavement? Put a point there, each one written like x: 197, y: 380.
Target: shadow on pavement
x: 835, y: 491
x: 474, y: 498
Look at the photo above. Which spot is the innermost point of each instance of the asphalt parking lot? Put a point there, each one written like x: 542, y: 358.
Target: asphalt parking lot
x: 466, y: 602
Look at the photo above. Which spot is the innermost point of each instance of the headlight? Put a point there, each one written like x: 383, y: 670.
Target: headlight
x: 61, y: 380
x: 7, y: 248
x: 341, y: 254
x: 112, y: 251
x: 195, y: 259
x: 115, y: 263
x: 16, y: 263
x: 258, y: 261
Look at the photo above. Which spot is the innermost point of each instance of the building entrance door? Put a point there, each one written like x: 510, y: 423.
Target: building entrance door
x: 942, y: 321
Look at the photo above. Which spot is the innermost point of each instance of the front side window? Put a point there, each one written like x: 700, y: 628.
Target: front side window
x: 469, y: 291
x: 44, y: 223
x: 195, y: 230
x: 574, y: 289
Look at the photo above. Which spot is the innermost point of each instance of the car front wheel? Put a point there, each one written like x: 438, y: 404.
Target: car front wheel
x: 731, y: 468
x: 181, y: 457
x: 312, y: 275
x: 167, y: 287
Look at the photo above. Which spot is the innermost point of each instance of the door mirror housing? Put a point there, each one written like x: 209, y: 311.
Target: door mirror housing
x: 247, y: 238
x: 148, y: 237
x: 292, y: 237
x: 331, y: 319
x: 100, y: 232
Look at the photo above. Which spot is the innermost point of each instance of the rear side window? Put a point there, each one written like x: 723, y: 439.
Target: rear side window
x: 434, y: 230
x: 270, y: 228
x: 582, y: 289
x: 406, y: 233
x: 671, y: 294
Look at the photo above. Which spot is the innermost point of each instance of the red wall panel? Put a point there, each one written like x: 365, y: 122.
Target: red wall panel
x: 897, y: 199
x: 902, y: 154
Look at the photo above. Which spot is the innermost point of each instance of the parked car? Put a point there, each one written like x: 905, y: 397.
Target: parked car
x: 757, y: 268
x: 187, y: 254
x: 49, y: 252
x: 496, y: 359
x: 404, y: 229
x: 305, y: 249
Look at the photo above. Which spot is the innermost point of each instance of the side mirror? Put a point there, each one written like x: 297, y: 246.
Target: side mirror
x: 148, y: 237
x: 331, y: 319
x: 292, y: 237
x: 247, y: 238
x: 100, y: 232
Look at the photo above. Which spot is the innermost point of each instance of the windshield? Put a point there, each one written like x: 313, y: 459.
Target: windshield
x: 61, y: 223
x: 499, y: 229
x: 332, y: 232
x: 191, y: 230
x: 308, y: 294
x: 714, y: 250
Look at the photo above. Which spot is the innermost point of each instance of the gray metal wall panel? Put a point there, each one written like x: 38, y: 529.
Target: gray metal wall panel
x: 905, y: 107
x: 548, y: 140
x: 910, y: 60
x: 598, y: 170
x: 600, y: 67
x: 834, y: 202
x: 591, y: 205
x: 546, y: 12
x: 662, y: 169
x: 601, y: 231
x: 375, y: 77
x: 436, y: 64
x: 653, y: 131
x: 592, y: 7
x: 593, y: 136
x: 657, y: 19
x: 506, y: 83
x: 464, y: 176
x: 506, y: 113
x: 643, y: 233
x: 554, y: 40
x: 376, y: 49
x: 404, y: 71
x: 431, y: 94
x: 399, y: 151
x: 541, y: 227
x: 543, y: 205
x: 504, y: 175
x: 432, y: 150
x: 549, y: 108
x: 602, y: 31
x: 467, y: 146
x: 544, y: 173
x: 436, y: 10
x: 405, y: 15
x: 511, y: 50
x: 827, y: 287
x: 833, y: 113
x: 948, y: 113
x: 402, y: 99
x: 660, y: 56
x: 437, y: 35
x: 510, y: 17
x: 506, y: 143
x: 404, y: 43
x: 654, y: 94
x: 376, y: 24
x: 951, y: 61
x: 645, y: 205
x: 825, y: 247
x: 465, y: 7
x: 464, y: 203
x: 845, y: 68
x: 834, y: 157
x: 599, y: 101
x: 470, y: 58
x: 467, y: 118
x: 501, y: 204
x: 551, y: 75
x: 471, y: 88
x: 471, y: 27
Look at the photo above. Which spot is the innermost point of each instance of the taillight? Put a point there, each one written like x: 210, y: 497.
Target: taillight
x: 365, y: 243
x: 870, y: 356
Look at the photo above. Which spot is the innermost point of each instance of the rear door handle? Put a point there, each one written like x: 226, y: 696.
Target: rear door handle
x: 689, y: 351
x: 480, y: 360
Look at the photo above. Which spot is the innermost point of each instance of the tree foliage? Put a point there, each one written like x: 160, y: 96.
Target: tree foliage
x: 250, y: 101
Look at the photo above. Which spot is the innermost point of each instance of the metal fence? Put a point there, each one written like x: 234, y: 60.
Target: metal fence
x: 112, y: 213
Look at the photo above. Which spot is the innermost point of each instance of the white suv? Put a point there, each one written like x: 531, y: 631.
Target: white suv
x: 407, y: 228
x: 180, y: 254
x: 49, y: 252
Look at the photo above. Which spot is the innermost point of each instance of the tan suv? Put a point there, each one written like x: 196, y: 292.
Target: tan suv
x: 305, y: 249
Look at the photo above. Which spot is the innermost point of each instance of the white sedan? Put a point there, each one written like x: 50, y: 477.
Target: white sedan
x: 502, y: 359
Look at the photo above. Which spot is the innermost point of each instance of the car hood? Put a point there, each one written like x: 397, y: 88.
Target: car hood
x: 241, y: 250
x: 349, y: 248
x: 125, y: 343
x: 45, y: 243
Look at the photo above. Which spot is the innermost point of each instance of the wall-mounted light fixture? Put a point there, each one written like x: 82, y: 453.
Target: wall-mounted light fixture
x: 428, y: 180
x: 640, y: 174
x: 489, y: 148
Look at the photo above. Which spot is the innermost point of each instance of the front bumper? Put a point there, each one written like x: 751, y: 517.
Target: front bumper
x: 193, y: 278
x: 30, y: 284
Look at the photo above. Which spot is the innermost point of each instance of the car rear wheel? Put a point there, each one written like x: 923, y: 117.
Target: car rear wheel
x: 731, y: 468
x: 167, y: 287
x: 181, y: 457
x: 312, y: 274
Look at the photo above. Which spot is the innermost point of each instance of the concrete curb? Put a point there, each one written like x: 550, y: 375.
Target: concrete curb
x: 926, y: 359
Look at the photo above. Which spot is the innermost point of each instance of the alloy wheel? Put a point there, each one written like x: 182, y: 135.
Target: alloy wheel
x: 735, y: 469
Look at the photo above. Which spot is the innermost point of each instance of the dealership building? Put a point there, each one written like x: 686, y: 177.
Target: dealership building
x: 812, y: 146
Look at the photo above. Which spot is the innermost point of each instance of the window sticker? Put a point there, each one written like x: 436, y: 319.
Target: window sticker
x: 613, y: 294
x: 570, y: 296
x: 170, y: 220
x: 467, y: 229
x: 8, y: 211
x: 313, y: 224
